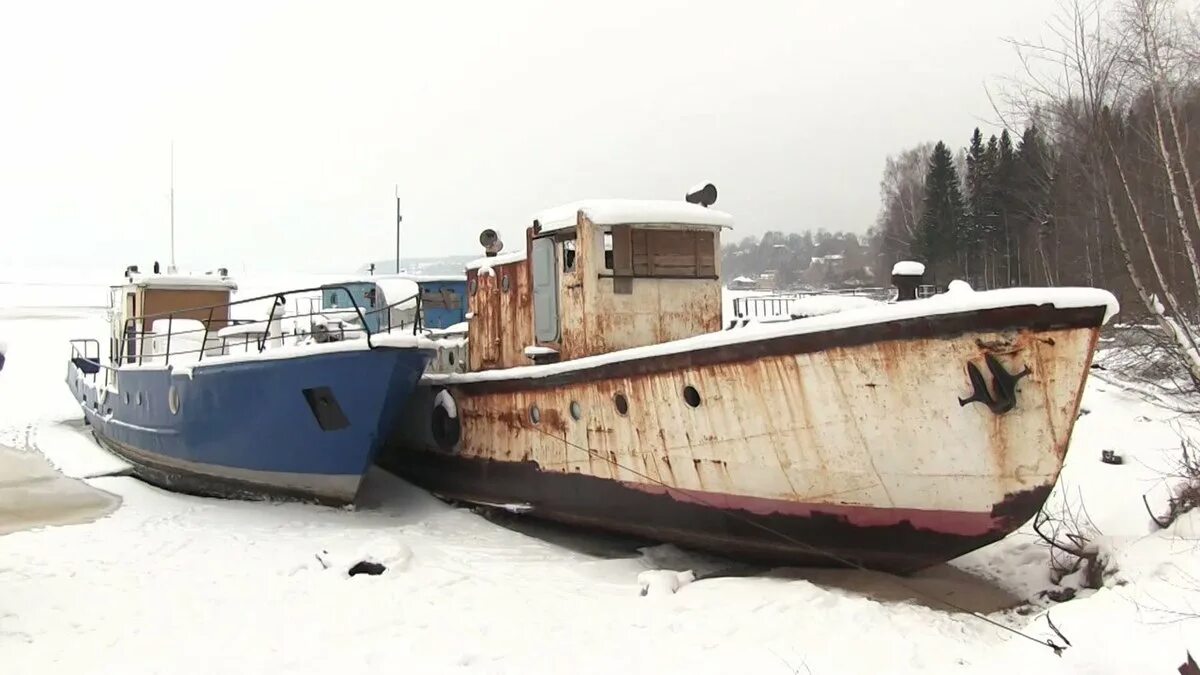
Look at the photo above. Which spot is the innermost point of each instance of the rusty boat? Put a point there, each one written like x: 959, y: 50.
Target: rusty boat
x: 596, y: 384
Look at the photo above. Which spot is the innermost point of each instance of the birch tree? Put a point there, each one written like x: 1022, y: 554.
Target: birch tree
x: 1083, y: 76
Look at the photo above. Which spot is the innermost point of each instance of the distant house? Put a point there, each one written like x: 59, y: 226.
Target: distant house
x: 834, y: 261
x: 767, y: 281
x: 743, y: 284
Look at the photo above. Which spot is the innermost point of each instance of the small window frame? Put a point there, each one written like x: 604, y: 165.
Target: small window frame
x: 568, y: 251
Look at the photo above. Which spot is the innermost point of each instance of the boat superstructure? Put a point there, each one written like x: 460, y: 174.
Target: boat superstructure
x: 203, y: 399
x: 601, y: 389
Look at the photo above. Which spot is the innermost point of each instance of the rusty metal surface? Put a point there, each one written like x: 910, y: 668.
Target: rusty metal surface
x: 876, y: 425
x: 599, y: 321
x: 501, y: 323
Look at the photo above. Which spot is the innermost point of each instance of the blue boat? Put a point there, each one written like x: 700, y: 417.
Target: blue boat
x: 202, y: 401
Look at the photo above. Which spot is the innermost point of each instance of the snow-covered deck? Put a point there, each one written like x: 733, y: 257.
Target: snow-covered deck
x: 946, y: 303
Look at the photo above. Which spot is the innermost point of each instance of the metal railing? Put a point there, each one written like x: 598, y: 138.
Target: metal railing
x: 778, y: 305
x: 130, y: 347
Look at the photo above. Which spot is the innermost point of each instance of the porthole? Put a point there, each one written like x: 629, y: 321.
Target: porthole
x: 450, y: 358
x: 504, y: 283
x: 474, y: 285
x: 576, y: 411
x: 126, y: 397
x: 621, y: 403
x: 691, y: 396
x: 173, y: 400
x: 535, y: 414
x: 139, y: 398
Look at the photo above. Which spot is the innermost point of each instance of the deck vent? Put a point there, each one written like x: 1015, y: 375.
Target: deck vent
x: 907, y: 275
x: 325, y: 409
x: 705, y: 195
x: 491, y: 242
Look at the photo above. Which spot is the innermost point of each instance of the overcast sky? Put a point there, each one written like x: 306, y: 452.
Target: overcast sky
x: 292, y: 121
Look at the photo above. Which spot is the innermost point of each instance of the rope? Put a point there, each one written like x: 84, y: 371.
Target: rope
x: 1056, y: 648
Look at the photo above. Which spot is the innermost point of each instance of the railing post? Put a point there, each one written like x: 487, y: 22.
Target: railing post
x: 262, y: 342
x: 207, y: 324
x: 170, y: 329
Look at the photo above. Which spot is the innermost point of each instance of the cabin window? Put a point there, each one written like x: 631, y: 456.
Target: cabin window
x: 672, y: 253
x: 663, y: 253
x: 608, y: 251
x: 568, y: 255
x: 444, y: 298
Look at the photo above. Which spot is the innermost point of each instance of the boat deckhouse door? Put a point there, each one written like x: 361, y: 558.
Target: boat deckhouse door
x: 129, y: 326
x: 545, y: 291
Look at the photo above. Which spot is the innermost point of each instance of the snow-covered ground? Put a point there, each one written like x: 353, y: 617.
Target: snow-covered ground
x: 167, y: 583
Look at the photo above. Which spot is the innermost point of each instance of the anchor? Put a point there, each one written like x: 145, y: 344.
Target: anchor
x: 1006, y: 386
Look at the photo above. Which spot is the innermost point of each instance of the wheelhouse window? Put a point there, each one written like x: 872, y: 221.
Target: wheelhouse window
x: 663, y: 253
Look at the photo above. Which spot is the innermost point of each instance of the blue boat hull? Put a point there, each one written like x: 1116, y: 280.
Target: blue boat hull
x: 304, y: 427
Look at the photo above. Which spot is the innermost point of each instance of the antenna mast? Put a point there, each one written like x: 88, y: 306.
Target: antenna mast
x: 397, y: 228
x: 172, y: 268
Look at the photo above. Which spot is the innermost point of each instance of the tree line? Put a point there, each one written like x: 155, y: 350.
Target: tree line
x: 1099, y: 189
x: 1098, y: 153
x: 810, y: 258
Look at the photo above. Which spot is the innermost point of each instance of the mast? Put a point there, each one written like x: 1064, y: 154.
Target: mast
x: 398, y: 219
x: 171, y: 269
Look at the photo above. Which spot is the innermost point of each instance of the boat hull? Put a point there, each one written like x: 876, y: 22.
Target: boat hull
x: 841, y: 446
x: 305, y: 427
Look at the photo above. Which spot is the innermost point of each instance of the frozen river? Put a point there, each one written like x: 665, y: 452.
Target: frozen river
x: 102, y: 573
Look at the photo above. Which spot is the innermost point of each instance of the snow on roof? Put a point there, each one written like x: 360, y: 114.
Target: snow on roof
x: 908, y: 268
x: 180, y: 281
x: 498, y: 259
x: 432, y: 278
x: 826, y: 258
x: 1061, y: 298
x: 347, y: 281
x: 397, y: 288
x: 743, y: 280
x: 631, y: 211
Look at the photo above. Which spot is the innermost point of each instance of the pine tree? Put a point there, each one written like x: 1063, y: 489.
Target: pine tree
x: 1033, y: 184
x: 939, y: 229
x: 974, y: 228
x: 988, y: 212
x: 1008, y: 237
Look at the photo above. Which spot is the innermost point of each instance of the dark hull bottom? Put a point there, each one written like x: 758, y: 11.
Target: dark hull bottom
x: 204, y: 485
x: 815, y: 539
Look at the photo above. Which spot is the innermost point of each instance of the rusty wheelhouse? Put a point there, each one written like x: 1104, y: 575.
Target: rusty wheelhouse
x: 595, y: 386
